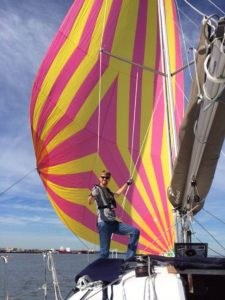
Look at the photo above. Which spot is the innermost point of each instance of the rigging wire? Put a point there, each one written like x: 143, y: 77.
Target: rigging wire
x: 179, y: 26
x: 189, y: 19
x: 182, y: 91
x: 209, y: 233
x: 21, y: 179
x: 194, y: 8
x: 183, y: 38
x: 185, y: 97
x: 216, y: 6
x: 200, y: 241
x: 16, y: 182
x: 209, y: 213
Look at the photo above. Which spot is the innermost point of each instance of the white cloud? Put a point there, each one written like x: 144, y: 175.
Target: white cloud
x: 26, y: 220
x: 27, y: 208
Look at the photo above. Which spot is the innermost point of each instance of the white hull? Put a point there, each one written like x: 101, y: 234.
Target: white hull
x: 152, y: 278
x: 162, y: 286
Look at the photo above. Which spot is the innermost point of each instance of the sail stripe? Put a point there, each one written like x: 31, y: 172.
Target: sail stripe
x: 84, y: 89
x: 80, y: 229
x: 142, y: 173
x: 57, y: 49
x: 136, y: 197
x: 69, y: 180
x: 126, y: 217
x: 109, y: 152
x: 158, y: 214
x: 75, y: 60
x: 156, y: 147
x: 65, y: 117
x: 89, y: 133
x: 138, y: 57
x: 157, y: 137
x: 140, y: 224
x: 179, y: 105
x: 90, y: 235
x: 57, y: 43
x: 78, y: 212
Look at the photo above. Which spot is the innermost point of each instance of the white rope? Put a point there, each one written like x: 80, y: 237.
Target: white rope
x: 134, y: 118
x: 140, y: 152
x: 216, y: 6
x: 51, y: 267
x: 194, y: 8
x: 132, y: 143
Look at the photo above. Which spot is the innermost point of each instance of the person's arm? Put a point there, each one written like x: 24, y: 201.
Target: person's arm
x: 123, y: 187
x: 91, y: 199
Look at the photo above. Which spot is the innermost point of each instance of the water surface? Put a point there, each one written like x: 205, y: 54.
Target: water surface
x: 27, y: 273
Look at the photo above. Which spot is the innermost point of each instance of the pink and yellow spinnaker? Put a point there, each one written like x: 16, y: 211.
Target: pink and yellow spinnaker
x: 96, y: 104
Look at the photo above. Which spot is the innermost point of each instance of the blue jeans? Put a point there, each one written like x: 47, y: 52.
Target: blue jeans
x: 106, y: 229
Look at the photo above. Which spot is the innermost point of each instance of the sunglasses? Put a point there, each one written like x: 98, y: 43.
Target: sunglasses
x: 105, y: 177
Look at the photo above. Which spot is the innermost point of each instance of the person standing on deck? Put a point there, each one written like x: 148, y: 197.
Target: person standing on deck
x: 107, y: 222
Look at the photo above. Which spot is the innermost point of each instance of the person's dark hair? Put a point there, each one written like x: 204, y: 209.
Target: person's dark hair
x: 106, y: 173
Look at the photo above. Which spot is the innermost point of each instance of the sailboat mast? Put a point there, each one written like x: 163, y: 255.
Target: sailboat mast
x: 168, y: 91
x: 168, y: 77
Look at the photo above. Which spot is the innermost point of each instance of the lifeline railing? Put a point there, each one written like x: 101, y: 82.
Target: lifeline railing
x: 5, y: 287
x: 49, y: 264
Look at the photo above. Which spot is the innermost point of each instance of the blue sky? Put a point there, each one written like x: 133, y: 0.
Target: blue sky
x: 27, y: 219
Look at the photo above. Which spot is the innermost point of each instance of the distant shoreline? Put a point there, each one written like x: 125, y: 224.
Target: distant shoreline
x: 38, y: 251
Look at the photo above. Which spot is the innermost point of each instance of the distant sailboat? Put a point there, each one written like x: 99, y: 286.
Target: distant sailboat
x: 108, y: 95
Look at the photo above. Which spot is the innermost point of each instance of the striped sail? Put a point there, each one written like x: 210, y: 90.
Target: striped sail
x: 97, y: 105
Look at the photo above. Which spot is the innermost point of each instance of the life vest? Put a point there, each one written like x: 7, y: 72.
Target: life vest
x: 107, y: 198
